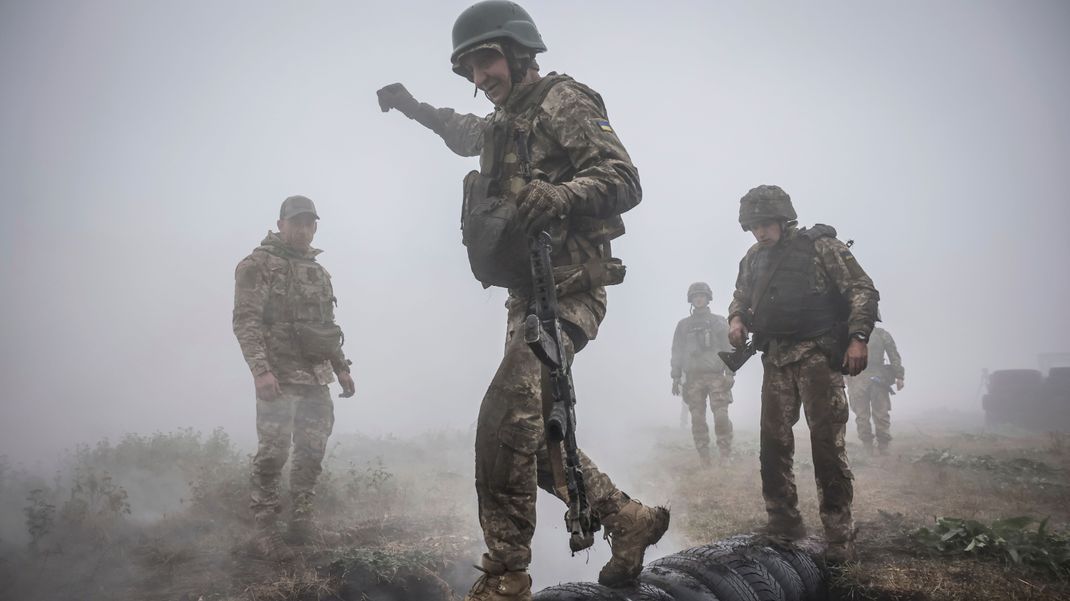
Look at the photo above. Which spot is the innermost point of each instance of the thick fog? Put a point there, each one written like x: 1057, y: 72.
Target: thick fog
x: 146, y: 147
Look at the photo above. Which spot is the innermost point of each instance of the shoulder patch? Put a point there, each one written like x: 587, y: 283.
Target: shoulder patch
x: 603, y: 125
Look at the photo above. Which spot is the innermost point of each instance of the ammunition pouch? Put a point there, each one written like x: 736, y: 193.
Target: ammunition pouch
x: 318, y: 341
x: 497, y: 250
x: 571, y: 279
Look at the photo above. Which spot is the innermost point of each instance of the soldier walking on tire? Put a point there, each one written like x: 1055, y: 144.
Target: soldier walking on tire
x: 699, y: 374
x: 549, y: 160
x: 811, y: 308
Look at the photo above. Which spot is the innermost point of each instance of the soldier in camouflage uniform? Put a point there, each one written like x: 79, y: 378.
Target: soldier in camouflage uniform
x: 698, y: 373
x: 870, y: 391
x: 284, y: 322
x: 811, y: 308
x: 551, y: 160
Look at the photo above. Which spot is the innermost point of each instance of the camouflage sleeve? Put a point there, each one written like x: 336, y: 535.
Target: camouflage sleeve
x: 851, y: 281
x: 741, y: 297
x: 605, y: 183
x: 677, y: 360
x: 339, y: 363
x: 463, y: 134
x: 250, y: 297
x: 893, y: 355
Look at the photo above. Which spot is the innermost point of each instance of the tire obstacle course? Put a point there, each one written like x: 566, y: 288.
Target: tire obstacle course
x: 740, y: 568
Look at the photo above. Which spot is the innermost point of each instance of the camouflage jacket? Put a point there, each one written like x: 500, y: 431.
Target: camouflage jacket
x: 881, y: 343
x: 273, y: 287
x: 571, y: 144
x: 837, y: 270
x: 696, y: 342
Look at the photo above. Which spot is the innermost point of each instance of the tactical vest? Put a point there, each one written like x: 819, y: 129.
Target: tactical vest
x: 704, y: 335
x: 790, y: 307
x: 498, y: 248
x: 305, y: 303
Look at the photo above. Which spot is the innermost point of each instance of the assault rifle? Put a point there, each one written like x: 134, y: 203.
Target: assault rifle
x: 542, y: 332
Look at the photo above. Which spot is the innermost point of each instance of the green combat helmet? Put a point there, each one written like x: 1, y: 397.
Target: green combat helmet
x: 699, y: 288
x: 493, y: 21
x: 764, y: 203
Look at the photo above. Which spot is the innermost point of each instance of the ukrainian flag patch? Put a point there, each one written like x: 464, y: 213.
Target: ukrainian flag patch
x: 603, y: 125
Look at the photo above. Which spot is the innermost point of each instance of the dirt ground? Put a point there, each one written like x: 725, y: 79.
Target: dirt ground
x: 109, y: 525
x: 931, y: 472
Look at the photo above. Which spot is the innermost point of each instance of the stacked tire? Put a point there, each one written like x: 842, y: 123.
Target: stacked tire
x: 742, y: 568
x: 1025, y: 398
x: 1013, y: 397
x: 1056, y: 395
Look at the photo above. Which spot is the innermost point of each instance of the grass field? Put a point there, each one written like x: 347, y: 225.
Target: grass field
x: 163, y: 517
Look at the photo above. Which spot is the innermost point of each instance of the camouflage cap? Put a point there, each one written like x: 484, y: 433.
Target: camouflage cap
x: 765, y: 203
x: 295, y: 205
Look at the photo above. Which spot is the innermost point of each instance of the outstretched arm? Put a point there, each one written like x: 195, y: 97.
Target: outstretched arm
x: 463, y: 134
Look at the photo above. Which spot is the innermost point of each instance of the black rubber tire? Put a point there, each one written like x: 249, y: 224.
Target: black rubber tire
x: 682, y: 586
x: 790, y: 582
x: 779, y: 568
x: 761, y: 581
x: 723, y: 581
x: 812, y: 580
x: 576, y: 591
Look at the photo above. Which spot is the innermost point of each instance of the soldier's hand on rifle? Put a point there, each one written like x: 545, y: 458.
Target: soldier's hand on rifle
x: 899, y: 383
x: 395, y: 96
x: 737, y: 332
x: 267, y: 386
x: 539, y: 203
x: 676, y: 386
x: 349, y: 387
x: 856, y: 357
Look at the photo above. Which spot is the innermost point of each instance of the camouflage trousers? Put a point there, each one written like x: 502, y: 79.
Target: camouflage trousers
x: 304, y: 414
x: 813, y: 385
x: 697, y: 388
x: 871, y: 400
x: 514, y: 460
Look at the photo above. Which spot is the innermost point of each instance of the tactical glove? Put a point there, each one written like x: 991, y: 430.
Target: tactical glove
x: 541, y: 202
x: 395, y: 96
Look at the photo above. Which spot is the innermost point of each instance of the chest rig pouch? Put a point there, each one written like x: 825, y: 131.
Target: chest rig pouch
x: 308, y: 308
x: 702, y: 334
x: 497, y: 246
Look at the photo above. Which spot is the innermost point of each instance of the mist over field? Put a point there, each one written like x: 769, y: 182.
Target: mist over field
x: 147, y: 146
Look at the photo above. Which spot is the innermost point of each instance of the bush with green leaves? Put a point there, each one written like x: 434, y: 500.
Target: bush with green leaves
x: 40, y: 516
x: 1012, y: 540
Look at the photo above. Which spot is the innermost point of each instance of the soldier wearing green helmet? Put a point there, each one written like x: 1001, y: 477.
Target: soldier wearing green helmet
x: 699, y: 374
x: 549, y: 161
x: 811, y: 308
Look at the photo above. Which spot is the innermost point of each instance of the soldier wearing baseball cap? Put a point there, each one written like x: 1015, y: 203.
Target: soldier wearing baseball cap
x: 295, y: 205
x: 284, y: 321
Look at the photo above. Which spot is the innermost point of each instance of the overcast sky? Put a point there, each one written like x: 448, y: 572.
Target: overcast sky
x: 146, y: 147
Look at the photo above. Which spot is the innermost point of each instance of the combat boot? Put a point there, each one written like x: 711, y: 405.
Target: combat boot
x: 499, y: 584
x: 630, y: 531
x: 839, y: 553
x: 704, y: 458
x: 790, y: 531
x: 268, y: 544
x: 305, y: 531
